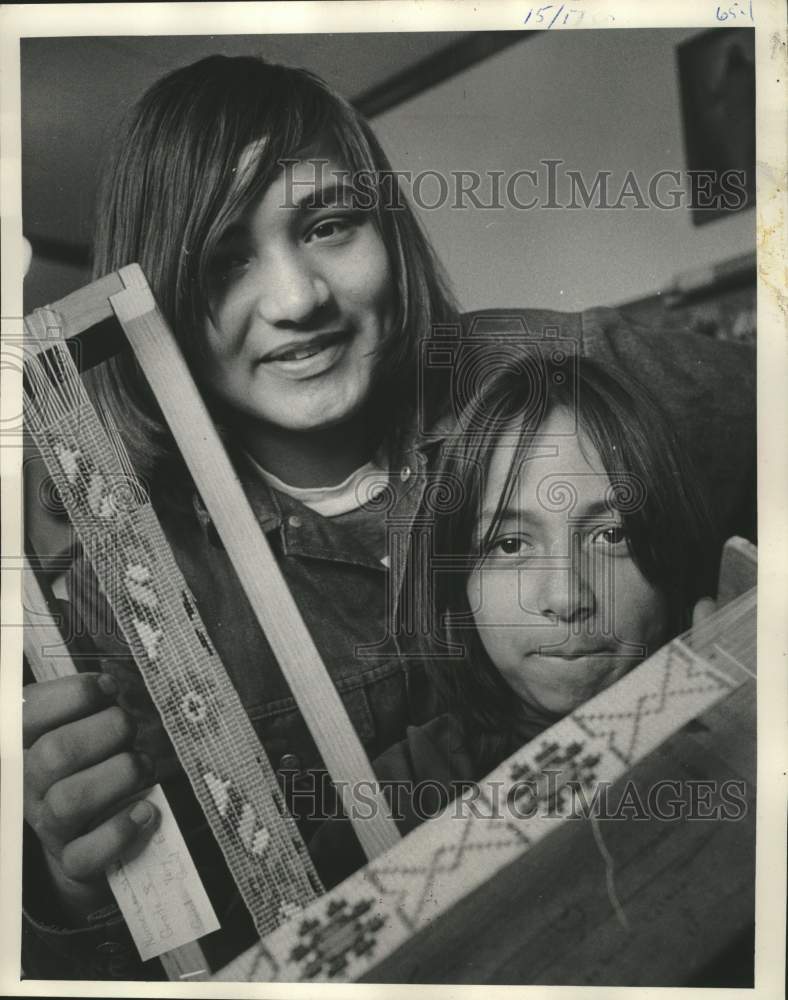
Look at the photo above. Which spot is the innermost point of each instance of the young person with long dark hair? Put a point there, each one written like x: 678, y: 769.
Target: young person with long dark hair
x: 578, y: 543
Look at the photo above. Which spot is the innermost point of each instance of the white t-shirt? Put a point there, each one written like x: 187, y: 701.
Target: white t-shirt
x: 359, y: 488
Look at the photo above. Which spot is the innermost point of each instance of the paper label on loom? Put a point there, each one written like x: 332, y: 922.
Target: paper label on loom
x: 159, y: 892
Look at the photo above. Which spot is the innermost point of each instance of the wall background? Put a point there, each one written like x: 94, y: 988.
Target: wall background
x: 610, y: 102
x: 599, y: 100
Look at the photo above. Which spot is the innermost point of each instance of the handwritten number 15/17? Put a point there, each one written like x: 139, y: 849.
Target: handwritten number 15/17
x: 541, y: 15
x: 549, y: 15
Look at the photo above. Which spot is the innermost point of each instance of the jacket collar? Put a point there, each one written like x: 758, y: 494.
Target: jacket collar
x: 271, y: 508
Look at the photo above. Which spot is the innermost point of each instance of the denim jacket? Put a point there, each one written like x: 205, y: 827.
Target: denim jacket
x: 353, y: 607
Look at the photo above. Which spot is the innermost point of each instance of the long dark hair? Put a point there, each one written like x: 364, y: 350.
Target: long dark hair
x: 670, y: 532
x: 173, y: 183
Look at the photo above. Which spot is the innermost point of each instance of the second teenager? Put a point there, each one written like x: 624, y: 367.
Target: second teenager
x: 579, y: 543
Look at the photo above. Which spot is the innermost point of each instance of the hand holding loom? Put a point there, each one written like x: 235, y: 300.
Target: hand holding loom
x: 79, y: 775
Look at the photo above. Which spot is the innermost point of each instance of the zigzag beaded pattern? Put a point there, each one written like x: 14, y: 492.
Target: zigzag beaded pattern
x: 622, y: 727
x: 212, y: 735
x: 346, y: 933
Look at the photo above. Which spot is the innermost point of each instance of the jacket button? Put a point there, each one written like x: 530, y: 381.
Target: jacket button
x: 290, y: 762
x: 294, y: 521
x: 405, y: 473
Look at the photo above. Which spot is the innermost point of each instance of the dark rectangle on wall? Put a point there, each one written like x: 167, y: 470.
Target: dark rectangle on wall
x: 717, y: 79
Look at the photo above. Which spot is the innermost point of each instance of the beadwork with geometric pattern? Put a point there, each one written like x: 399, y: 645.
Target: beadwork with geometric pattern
x: 346, y: 933
x: 200, y: 709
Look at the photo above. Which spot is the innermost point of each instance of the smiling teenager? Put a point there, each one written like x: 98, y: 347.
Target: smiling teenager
x: 302, y: 309
x: 301, y: 303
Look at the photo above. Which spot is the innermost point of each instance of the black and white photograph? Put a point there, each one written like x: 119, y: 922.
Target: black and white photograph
x: 393, y: 430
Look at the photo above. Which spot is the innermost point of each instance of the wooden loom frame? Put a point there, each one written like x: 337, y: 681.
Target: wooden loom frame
x: 91, y: 307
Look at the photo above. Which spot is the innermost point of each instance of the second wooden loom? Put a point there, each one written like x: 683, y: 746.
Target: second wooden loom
x: 438, y: 906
